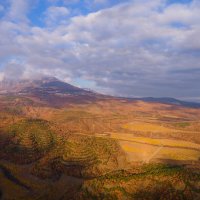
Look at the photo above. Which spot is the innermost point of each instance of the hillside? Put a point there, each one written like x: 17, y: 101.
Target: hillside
x: 58, y: 141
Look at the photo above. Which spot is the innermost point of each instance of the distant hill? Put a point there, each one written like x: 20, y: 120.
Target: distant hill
x: 45, y: 85
x: 167, y: 100
x: 48, y: 90
x: 57, y: 93
x: 58, y: 141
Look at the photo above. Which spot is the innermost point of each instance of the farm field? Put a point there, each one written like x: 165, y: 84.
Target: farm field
x: 147, y: 152
x: 155, y: 142
x: 101, y: 150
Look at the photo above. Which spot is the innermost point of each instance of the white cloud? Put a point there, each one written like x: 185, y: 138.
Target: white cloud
x: 18, y: 10
x: 56, y: 15
x: 1, y: 76
x: 141, y: 48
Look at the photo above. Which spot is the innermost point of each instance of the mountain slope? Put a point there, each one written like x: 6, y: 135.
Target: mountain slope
x: 45, y: 84
x: 52, y: 91
x: 48, y: 90
x: 167, y: 100
x: 58, y: 141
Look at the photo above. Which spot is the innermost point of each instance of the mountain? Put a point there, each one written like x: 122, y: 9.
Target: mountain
x: 58, y: 141
x: 167, y: 100
x: 48, y: 90
x: 55, y: 92
x: 45, y: 85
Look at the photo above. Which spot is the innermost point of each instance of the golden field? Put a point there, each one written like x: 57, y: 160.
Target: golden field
x: 109, y: 149
x: 146, y: 152
x: 156, y: 142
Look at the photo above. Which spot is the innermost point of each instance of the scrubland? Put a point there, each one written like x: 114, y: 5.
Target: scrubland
x: 110, y: 149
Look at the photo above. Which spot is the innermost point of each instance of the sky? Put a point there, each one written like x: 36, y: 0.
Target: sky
x: 134, y: 48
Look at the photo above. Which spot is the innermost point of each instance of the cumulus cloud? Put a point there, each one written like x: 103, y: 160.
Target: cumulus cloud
x: 55, y: 15
x: 14, y: 71
x: 135, y: 48
x: 18, y: 10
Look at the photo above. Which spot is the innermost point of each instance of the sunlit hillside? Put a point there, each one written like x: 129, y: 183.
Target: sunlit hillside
x: 102, y: 148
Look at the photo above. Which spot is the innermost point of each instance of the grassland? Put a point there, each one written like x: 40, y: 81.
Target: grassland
x: 145, y: 149
x: 142, y: 126
x: 156, y: 142
x: 146, y: 153
x: 102, y: 150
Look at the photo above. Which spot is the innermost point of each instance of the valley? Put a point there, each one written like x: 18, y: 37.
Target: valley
x: 100, y: 147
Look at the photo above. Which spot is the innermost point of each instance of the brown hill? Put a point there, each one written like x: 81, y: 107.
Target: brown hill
x: 48, y: 90
x: 58, y: 141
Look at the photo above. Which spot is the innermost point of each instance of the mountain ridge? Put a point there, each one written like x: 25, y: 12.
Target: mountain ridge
x: 47, y: 87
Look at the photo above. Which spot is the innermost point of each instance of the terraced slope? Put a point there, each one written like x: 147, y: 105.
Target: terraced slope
x: 73, y: 152
x: 26, y: 141
x: 35, y: 156
x: 149, y: 182
x: 95, y: 155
